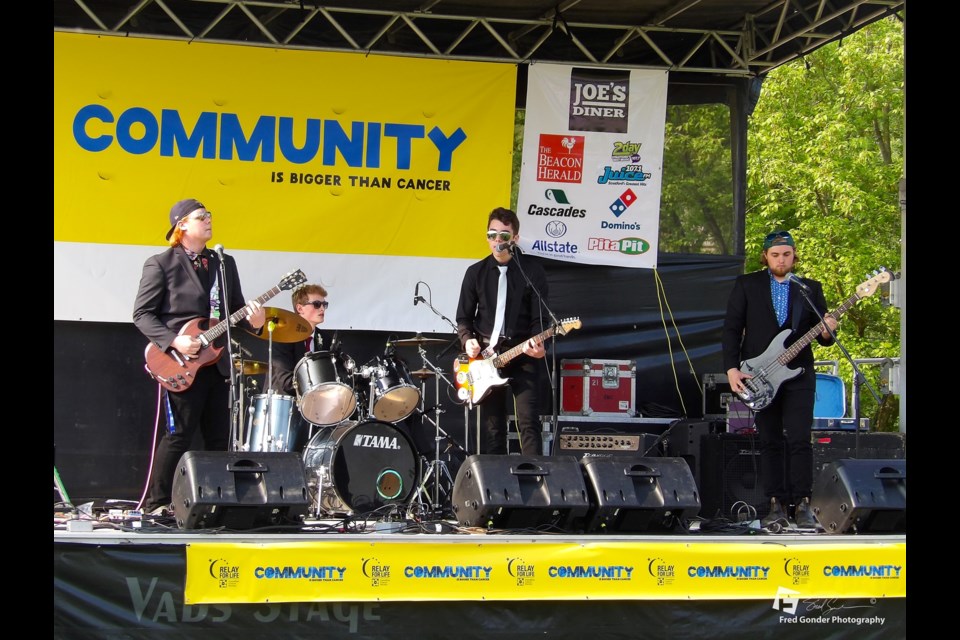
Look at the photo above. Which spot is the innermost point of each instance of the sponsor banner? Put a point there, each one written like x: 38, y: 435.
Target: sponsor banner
x: 383, y: 571
x: 593, y: 165
x: 293, y: 151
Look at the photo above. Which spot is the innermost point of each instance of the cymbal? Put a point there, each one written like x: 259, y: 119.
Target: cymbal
x: 423, y: 373
x: 416, y: 341
x: 287, y: 326
x: 250, y: 367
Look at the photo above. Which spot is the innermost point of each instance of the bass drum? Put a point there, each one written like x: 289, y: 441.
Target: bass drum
x: 358, y: 467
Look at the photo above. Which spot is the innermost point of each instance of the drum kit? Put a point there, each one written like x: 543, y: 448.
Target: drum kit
x: 358, y: 459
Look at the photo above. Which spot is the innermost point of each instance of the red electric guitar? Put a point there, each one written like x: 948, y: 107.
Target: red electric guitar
x: 174, y: 372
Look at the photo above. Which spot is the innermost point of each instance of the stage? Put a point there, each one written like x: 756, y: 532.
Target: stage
x: 437, y: 579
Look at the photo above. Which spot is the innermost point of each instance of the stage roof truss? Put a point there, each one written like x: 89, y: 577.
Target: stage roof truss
x: 694, y: 36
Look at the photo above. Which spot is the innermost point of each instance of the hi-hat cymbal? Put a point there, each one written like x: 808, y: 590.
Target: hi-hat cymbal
x: 416, y: 341
x: 423, y: 373
x: 250, y: 367
x: 287, y: 326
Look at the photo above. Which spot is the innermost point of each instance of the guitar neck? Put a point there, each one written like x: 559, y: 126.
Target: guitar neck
x: 218, y: 329
x: 505, y: 357
x: 793, y: 350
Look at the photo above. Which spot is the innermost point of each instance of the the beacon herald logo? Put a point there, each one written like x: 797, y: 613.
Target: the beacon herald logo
x: 560, y: 158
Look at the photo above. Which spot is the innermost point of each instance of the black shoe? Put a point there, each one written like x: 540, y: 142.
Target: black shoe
x: 804, y: 515
x: 777, y: 518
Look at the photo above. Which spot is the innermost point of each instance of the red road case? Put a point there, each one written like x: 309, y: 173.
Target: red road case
x: 598, y: 387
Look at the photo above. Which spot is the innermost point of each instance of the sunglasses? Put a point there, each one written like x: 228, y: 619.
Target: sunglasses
x: 317, y: 304
x: 502, y: 236
x: 201, y: 215
x: 776, y: 234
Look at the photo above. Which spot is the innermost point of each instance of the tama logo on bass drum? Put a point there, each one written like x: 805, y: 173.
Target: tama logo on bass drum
x: 375, y: 442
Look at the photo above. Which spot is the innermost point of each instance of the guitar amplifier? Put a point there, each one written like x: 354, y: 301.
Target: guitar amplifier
x: 717, y: 396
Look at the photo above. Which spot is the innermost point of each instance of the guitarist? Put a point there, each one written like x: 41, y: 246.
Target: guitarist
x: 176, y: 286
x: 761, y: 305
x: 476, y: 320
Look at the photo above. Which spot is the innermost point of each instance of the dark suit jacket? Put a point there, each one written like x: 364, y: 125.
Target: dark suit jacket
x: 171, y: 294
x: 476, y: 310
x: 751, y: 323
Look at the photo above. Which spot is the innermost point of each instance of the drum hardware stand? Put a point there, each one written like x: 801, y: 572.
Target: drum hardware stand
x: 437, y: 466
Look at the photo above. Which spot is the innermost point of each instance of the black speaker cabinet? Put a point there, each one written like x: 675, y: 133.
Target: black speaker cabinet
x: 730, y: 475
x: 239, y: 490
x: 861, y: 496
x: 520, y: 492
x: 684, y: 439
x: 636, y: 494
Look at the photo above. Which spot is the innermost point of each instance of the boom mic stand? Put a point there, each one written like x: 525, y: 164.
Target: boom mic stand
x: 233, y: 406
x: 857, y: 374
x: 516, y: 252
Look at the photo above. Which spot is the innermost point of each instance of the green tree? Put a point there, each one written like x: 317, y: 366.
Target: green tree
x: 825, y: 156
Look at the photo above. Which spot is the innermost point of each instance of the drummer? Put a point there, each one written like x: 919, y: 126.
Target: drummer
x: 310, y: 302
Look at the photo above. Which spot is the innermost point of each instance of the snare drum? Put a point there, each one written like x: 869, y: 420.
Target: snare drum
x: 324, y: 395
x: 395, y: 395
x: 359, y: 467
x: 271, y: 425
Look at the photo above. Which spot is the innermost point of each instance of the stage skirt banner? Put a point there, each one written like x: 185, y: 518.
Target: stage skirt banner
x: 394, y: 571
x: 593, y: 164
x: 305, y: 158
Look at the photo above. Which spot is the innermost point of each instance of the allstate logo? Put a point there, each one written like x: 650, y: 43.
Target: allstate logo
x: 556, y: 229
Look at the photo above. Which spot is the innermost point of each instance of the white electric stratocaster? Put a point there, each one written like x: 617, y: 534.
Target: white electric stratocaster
x: 475, y: 377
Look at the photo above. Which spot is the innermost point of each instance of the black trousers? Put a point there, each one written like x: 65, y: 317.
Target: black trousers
x: 786, y: 449
x: 493, y: 410
x: 204, y: 407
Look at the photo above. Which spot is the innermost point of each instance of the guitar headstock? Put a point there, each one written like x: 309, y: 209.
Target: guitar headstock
x: 567, y: 325
x: 869, y: 287
x: 293, y: 279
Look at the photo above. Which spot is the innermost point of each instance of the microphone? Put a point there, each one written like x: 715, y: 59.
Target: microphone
x: 416, y: 294
x: 792, y: 277
x: 505, y: 245
x: 219, y: 249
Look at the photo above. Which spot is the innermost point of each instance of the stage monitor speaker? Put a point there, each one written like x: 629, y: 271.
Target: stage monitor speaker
x: 239, y: 490
x: 520, y: 492
x: 637, y: 494
x: 861, y: 496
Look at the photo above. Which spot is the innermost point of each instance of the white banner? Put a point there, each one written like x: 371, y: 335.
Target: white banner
x: 592, y: 165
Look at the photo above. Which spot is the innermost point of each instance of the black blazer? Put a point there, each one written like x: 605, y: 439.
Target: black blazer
x: 171, y: 294
x: 751, y: 323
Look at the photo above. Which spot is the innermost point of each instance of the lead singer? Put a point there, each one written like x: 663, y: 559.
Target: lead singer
x: 497, y: 310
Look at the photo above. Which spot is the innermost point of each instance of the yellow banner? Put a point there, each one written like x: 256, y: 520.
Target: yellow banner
x: 291, y: 150
x: 406, y: 571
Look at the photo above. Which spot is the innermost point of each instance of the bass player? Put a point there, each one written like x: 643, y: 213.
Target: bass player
x: 761, y: 305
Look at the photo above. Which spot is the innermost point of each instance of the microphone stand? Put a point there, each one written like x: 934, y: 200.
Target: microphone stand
x: 233, y: 406
x: 857, y: 374
x: 516, y: 253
